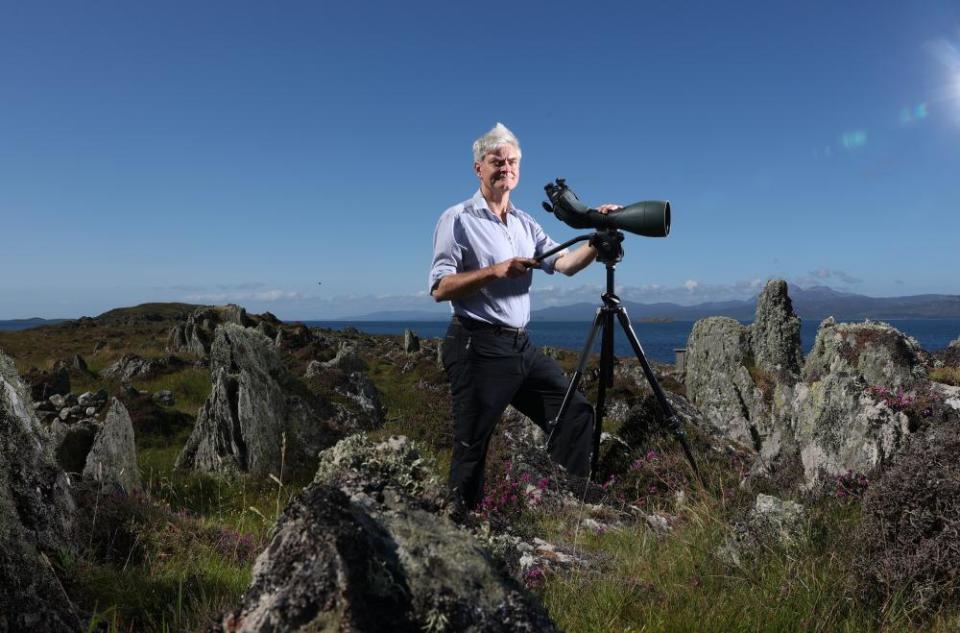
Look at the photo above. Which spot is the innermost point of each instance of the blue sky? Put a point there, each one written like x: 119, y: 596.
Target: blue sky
x: 245, y: 151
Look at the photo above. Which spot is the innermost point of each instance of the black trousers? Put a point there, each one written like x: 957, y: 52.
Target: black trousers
x: 490, y: 368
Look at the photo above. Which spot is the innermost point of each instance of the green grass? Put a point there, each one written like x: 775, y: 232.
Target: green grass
x: 423, y: 415
x: 947, y: 375
x: 195, y: 536
x: 190, y: 387
x: 676, y: 583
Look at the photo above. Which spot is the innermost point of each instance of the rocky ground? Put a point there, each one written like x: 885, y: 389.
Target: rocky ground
x: 176, y: 467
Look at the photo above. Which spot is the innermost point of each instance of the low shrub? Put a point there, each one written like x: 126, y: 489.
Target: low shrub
x: 910, y: 534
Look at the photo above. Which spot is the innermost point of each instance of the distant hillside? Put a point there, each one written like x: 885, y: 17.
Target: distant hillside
x: 813, y: 304
x: 26, y: 324
x: 152, y: 312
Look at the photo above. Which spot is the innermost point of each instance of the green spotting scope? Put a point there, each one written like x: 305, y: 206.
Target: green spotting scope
x: 650, y: 218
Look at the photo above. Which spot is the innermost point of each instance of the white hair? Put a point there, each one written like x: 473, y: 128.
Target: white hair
x: 497, y: 137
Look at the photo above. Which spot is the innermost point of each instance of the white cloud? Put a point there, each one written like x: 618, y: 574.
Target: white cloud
x: 691, y: 285
x: 237, y: 296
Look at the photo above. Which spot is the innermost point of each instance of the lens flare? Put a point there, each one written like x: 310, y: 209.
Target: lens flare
x: 854, y: 139
x: 948, y: 54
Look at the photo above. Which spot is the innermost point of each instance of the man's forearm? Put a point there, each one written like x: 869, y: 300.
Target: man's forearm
x: 463, y: 285
x: 575, y: 261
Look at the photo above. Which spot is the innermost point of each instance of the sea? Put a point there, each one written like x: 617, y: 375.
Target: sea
x: 658, y: 340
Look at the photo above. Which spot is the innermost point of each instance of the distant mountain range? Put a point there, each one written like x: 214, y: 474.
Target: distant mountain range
x: 814, y: 304
x: 26, y: 324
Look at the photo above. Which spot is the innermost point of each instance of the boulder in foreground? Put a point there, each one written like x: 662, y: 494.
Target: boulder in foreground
x: 36, y: 511
x: 364, y: 548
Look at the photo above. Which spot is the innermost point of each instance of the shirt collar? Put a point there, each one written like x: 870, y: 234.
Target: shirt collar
x: 479, y: 202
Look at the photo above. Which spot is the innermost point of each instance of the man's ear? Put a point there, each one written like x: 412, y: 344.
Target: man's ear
x: 476, y: 169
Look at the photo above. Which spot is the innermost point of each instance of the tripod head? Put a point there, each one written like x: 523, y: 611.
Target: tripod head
x: 609, y: 245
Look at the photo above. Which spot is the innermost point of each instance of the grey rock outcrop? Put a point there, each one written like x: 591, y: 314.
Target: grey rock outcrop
x: 130, y: 366
x: 346, y: 359
x: 771, y: 522
x: 775, y: 332
x: 295, y: 337
x: 367, y: 411
x: 267, y: 329
x: 255, y: 411
x: 36, y: 511
x: 194, y: 336
x: 749, y: 384
x: 876, y: 352
x: 112, y: 460
x: 364, y: 393
x: 838, y: 424
x: 411, y: 342
x: 232, y: 313
x: 718, y: 380
x: 363, y: 549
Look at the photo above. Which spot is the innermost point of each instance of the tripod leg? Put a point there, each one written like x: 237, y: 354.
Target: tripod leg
x: 575, y: 379
x: 672, y: 420
x: 605, y: 380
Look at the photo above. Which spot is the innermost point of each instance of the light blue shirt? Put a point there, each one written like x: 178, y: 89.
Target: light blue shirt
x: 469, y: 236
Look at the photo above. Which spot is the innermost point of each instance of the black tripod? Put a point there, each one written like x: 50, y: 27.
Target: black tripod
x: 610, y: 252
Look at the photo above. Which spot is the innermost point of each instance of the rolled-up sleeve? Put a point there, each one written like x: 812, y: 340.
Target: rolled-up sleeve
x: 447, y: 252
x: 542, y: 244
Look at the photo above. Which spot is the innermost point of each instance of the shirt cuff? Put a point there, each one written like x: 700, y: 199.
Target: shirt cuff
x: 548, y: 265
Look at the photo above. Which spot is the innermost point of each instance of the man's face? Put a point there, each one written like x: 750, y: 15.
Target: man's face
x: 499, y: 171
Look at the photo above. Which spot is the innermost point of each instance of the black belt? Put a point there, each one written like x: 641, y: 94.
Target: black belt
x: 496, y: 328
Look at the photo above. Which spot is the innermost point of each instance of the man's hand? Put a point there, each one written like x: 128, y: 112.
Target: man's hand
x: 462, y: 285
x: 514, y: 267
x: 607, y: 208
x: 575, y: 261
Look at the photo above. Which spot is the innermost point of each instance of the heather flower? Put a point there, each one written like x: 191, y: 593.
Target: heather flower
x: 534, y: 577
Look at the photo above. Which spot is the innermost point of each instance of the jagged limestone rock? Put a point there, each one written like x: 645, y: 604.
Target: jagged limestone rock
x: 772, y: 522
x: 346, y: 358
x: 361, y: 390
x: 194, y: 336
x: 838, y: 427
x: 363, y: 549
x: 295, y: 337
x: 718, y: 379
x: 775, y: 332
x: 232, y: 313
x: 36, y: 511
x: 112, y: 460
x: 131, y: 366
x: 267, y: 329
x: 257, y: 417
x: 837, y: 423
x: 877, y: 352
x: 411, y: 342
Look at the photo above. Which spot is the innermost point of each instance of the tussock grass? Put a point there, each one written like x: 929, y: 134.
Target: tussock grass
x: 947, y: 375
x: 190, y: 387
x: 646, y: 582
x: 413, y: 409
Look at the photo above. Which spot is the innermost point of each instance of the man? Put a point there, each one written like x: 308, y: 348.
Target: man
x: 483, y: 256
